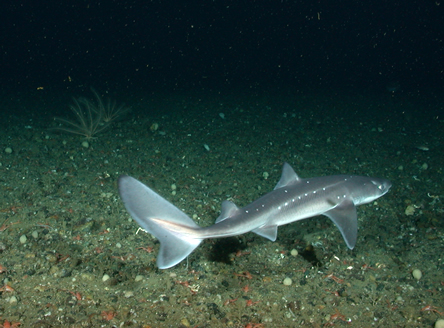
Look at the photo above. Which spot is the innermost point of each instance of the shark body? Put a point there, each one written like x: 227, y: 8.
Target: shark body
x: 292, y: 199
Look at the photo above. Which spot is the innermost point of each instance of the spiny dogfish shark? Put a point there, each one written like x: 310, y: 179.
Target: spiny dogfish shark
x: 292, y: 199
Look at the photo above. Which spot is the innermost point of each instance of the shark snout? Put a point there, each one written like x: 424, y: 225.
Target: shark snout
x: 383, y: 185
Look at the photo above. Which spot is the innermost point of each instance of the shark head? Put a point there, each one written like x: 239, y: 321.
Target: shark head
x: 370, y: 189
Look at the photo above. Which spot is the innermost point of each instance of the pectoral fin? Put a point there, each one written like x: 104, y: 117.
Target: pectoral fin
x: 269, y: 232
x: 345, y: 218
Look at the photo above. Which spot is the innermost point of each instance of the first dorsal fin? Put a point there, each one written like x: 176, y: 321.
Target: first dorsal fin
x: 288, y: 177
x: 228, y: 210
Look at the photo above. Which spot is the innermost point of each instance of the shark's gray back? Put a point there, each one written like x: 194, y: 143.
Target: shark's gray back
x: 296, y: 199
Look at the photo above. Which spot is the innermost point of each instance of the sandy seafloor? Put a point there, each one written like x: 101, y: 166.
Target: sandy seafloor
x: 63, y: 198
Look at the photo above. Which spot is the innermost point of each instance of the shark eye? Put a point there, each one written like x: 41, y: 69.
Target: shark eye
x: 378, y: 185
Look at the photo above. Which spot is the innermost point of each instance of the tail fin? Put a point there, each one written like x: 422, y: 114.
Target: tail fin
x: 149, y: 210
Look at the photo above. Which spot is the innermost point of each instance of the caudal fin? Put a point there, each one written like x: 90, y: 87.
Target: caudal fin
x: 161, y: 219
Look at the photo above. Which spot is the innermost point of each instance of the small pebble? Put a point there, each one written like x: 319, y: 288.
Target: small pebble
x: 185, y: 322
x: 35, y: 234
x: 410, y: 210
x: 51, y: 258
x: 138, y: 278
x: 439, y: 323
x: 85, y: 144
x: 154, y: 127
x: 13, y: 300
x: 128, y: 293
x: 105, y: 277
x: 55, y: 271
x: 294, y: 252
x: 287, y: 281
x: 417, y: 274
x: 23, y: 239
